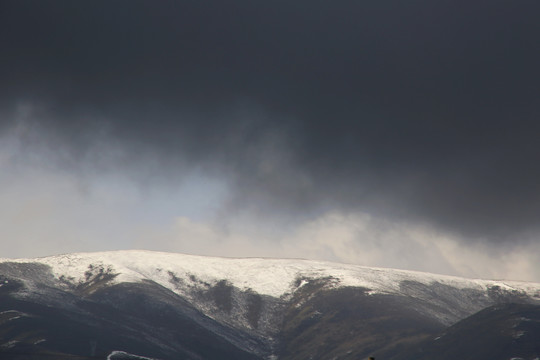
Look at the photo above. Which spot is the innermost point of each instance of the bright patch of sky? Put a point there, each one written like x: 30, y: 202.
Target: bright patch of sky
x: 45, y: 209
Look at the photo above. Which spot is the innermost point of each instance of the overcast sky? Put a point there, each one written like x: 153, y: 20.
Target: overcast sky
x: 391, y: 133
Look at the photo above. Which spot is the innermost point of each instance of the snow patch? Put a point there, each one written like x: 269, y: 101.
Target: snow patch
x: 9, y: 344
x: 13, y: 315
x: 125, y: 355
x: 9, y: 312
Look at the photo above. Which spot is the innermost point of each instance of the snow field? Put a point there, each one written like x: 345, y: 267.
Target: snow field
x: 273, y: 277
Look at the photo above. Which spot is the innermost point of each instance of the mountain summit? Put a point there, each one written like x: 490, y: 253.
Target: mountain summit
x: 142, y: 304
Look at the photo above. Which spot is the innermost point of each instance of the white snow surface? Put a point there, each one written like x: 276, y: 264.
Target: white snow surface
x: 273, y: 277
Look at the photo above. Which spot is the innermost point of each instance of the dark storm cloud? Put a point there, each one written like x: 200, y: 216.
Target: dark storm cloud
x: 421, y: 110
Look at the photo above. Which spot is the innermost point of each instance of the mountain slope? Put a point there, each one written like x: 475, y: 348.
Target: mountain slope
x: 508, y: 331
x: 141, y: 318
x: 196, y: 307
x: 347, y: 323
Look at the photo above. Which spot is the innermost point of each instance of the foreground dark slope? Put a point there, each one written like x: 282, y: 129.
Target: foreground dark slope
x: 46, y: 314
x: 143, y: 318
x: 139, y: 322
x: 349, y: 324
x: 506, y: 331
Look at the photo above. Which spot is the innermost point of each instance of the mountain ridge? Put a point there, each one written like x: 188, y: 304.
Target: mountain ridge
x: 75, y: 265
x: 249, y: 308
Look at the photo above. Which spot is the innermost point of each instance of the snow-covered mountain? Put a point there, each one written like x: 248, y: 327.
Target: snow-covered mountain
x: 174, y: 306
x: 272, y: 277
